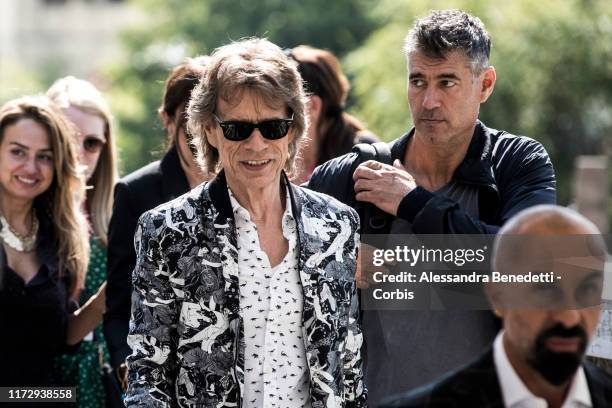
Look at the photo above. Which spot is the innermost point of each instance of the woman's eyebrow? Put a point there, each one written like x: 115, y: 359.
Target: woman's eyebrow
x: 28, y: 148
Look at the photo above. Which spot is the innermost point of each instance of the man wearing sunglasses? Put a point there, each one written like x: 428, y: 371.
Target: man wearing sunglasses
x: 450, y: 174
x: 237, y: 131
x: 244, y: 288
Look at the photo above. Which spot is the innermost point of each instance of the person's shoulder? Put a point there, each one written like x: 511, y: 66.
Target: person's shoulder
x: 175, y: 213
x: 334, y: 177
x: 365, y: 136
x: 316, y: 201
x: 143, y: 176
x: 334, y: 167
x: 431, y: 395
x: 461, y: 387
x: 600, y: 381
x: 504, y: 143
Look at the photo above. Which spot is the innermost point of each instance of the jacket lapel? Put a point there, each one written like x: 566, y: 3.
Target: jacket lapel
x: 320, y: 334
x: 219, y: 205
x: 218, y: 210
x: 600, y: 386
x: 477, y: 385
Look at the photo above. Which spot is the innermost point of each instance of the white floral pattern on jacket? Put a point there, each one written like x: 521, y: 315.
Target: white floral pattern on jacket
x: 186, y: 333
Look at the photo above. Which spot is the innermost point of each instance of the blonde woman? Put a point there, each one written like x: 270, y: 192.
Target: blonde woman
x: 87, y: 110
x: 44, y: 247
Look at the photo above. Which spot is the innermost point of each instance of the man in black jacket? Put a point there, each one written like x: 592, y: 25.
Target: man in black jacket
x: 450, y: 174
x: 146, y: 188
x: 175, y: 174
x: 537, y: 360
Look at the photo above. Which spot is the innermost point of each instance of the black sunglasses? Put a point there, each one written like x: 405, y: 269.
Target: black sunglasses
x: 237, y: 130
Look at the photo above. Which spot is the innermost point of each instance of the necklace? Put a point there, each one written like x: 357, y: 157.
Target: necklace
x: 15, y: 240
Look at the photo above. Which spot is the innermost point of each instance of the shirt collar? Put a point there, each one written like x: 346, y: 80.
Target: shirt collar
x: 579, y: 390
x: 475, y: 168
x: 240, y: 211
x: 514, y: 390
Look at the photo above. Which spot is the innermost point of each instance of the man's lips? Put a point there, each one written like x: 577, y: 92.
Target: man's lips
x: 558, y: 344
x: 255, y: 164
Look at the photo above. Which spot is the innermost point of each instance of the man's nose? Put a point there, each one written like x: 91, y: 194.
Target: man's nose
x: 567, y: 317
x: 431, y: 99
x: 256, y: 141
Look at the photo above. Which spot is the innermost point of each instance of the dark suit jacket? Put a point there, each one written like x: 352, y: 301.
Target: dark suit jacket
x: 142, y: 190
x: 477, y: 385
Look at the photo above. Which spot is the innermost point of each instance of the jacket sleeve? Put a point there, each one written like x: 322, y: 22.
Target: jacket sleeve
x: 121, y: 259
x: 152, y: 336
x: 355, y: 391
x: 335, y: 178
x: 525, y: 177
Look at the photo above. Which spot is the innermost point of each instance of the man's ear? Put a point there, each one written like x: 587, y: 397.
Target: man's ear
x: 211, y: 134
x: 489, y: 77
x: 168, y: 123
x: 291, y: 134
x: 494, y: 294
x: 315, y: 105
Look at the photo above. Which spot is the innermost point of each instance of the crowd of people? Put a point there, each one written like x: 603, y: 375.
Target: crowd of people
x: 227, y: 273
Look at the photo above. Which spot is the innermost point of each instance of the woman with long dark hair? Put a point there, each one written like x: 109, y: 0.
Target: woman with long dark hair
x: 333, y: 131
x: 44, y: 247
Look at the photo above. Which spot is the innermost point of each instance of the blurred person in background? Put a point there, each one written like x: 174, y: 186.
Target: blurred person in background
x: 86, y: 109
x: 158, y: 182
x: 332, y: 132
x: 44, y: 236
x: 244, y: 288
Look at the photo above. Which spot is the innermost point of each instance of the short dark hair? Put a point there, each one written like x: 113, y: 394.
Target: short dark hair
x: 444, y: 31
x: 177, y: 90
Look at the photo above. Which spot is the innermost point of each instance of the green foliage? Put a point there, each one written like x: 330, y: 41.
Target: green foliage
x: 553, y: 60
x: 175, y: 29
x: 16, y: 81
x: 554, y: 67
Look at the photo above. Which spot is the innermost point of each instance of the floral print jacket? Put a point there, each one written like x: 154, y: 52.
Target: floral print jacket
x: 186, y: 333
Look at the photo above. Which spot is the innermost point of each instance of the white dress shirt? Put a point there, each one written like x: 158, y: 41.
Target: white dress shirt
x: 517, y: 395
x: 271, y: 305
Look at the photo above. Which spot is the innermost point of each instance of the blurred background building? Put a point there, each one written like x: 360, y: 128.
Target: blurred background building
x: 54, y: 37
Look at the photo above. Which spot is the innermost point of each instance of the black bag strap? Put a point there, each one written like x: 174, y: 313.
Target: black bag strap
x: 373, y: 219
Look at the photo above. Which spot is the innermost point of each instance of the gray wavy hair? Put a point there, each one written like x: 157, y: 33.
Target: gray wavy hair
x: 252, y: 64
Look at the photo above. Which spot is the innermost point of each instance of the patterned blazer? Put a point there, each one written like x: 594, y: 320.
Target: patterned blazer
x: 186, y: 333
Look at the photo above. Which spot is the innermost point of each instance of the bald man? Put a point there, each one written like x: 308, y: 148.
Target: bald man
x: 537, y: 360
